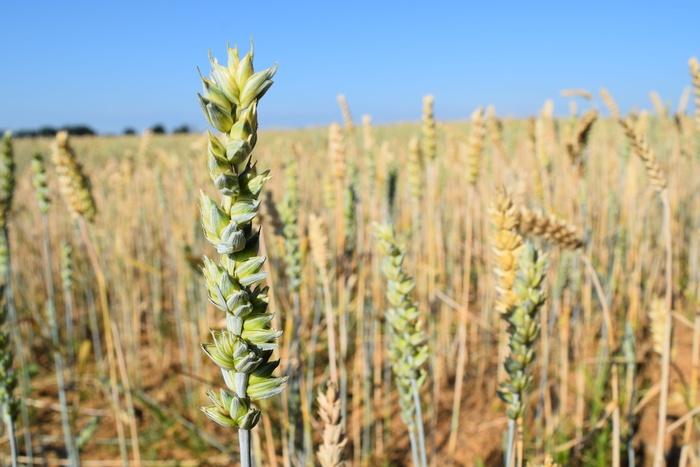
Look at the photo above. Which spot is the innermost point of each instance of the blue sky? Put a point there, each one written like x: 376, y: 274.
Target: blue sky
x: 125, y: 63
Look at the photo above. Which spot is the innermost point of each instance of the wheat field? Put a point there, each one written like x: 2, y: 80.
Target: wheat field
x: 111, y: 309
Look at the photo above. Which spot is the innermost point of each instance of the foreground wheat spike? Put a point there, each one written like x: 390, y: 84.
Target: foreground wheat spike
x: 408, y: 347
x: 524, y: 329
x: 9, y: 405
x: 242, y: 350
x: 695, y: 78
x: 331, y: 452
x: 75, y: 186
x: 553, y: 230
x: 642, y: 149
x: 579, y: 139
x: 476, y: 145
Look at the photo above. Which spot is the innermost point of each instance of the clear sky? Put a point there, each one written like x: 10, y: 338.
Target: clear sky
x: 125, y: 63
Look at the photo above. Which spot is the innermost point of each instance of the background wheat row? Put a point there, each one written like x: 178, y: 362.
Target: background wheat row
x: 131, y: 310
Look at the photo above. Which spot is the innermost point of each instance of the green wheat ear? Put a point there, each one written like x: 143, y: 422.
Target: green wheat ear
x: 242, y: 350
x: 408, y: 347
x: 524, y: 329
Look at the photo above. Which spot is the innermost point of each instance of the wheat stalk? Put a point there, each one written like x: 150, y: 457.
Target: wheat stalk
x: 42, y: 195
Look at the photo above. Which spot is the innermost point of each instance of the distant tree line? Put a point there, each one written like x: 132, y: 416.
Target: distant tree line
x: 85, y: 130
x: 49, y: 131
x: 159, y: 129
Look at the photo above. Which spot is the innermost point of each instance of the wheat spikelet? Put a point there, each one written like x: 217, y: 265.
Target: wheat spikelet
x: 579, y: 139
x: 415, y: 168
x: 75, y: 185
x: 40, y: 183
x: 367, y: 135
x: 331, y: 451
x: 476, y: 145
x: 524, y: 329
x: 657, y: 324
x: 289, y: 215
x: 345, y: 109
x: 408, y: 346
x: 573, y: 109
x: 318, y: 241
x: 328, y: 191
x: 609, y: 103
x: 507, y: 245
x: 429, y: 131
x: 7, y: 176
x: 553, y: 230
x: 548, y: 462
x: 9, y: 402
x: 658, y: 104
x: 641, y: 123
x: 641, y: 148
x: 145, y: 144
x: 582, y: 93
x: 336, y: 151
x: 695, y: 78
x: 243, y: 350
x: 494, y: 128
x: 683, y: 100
